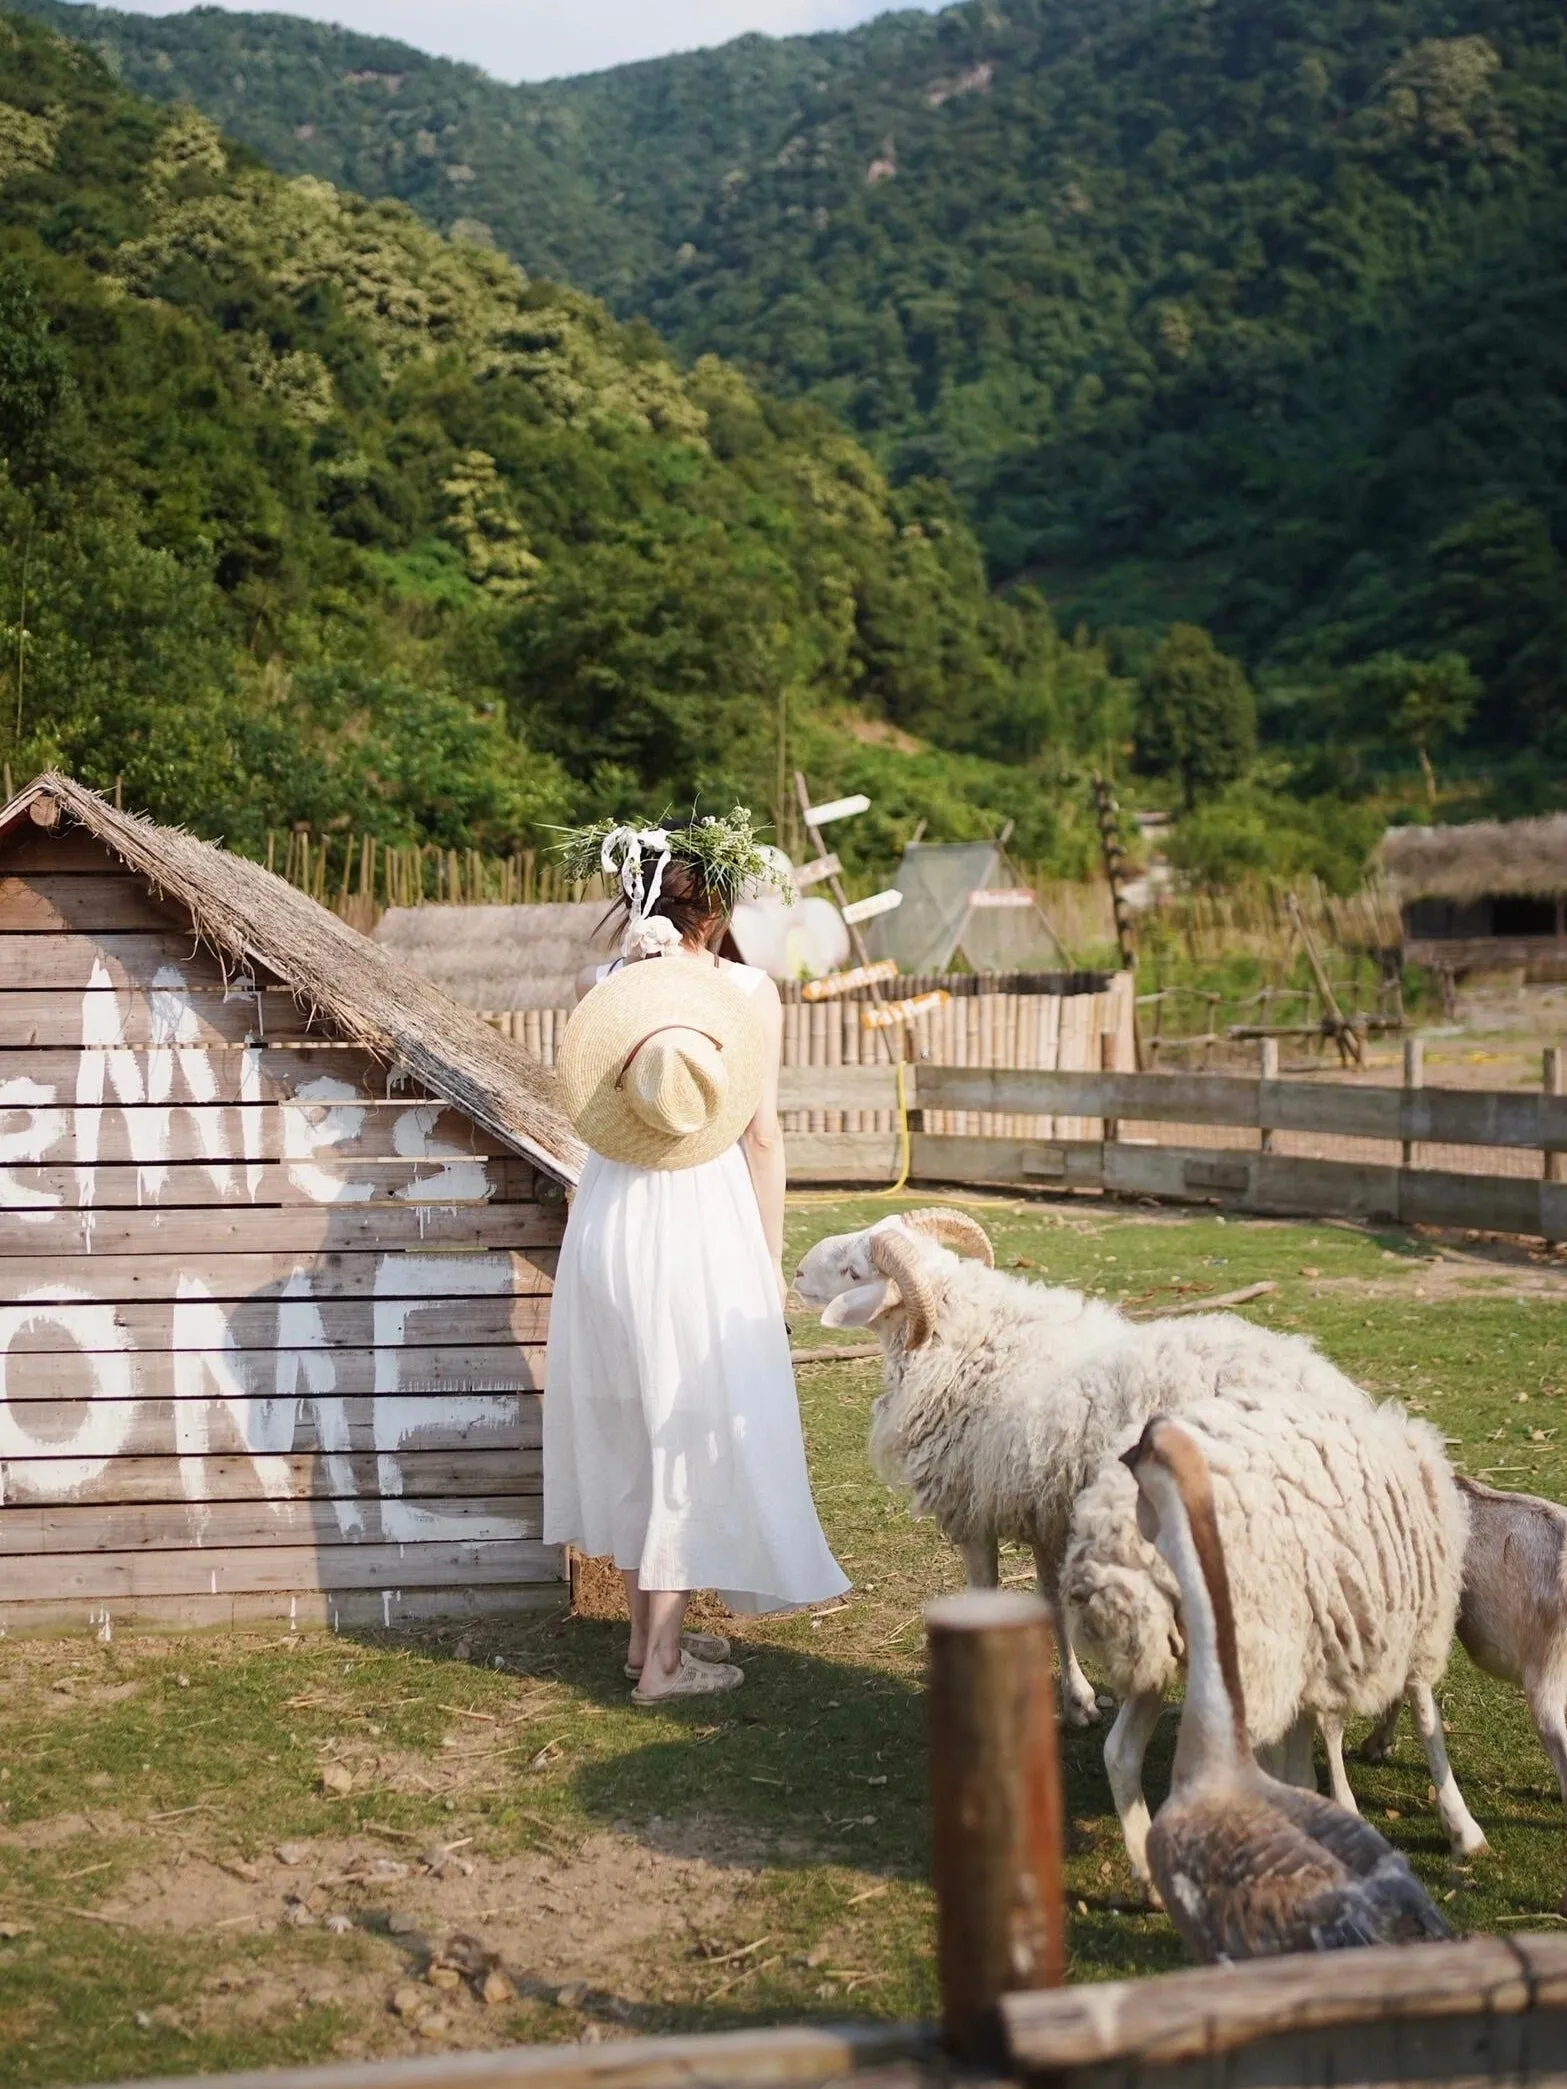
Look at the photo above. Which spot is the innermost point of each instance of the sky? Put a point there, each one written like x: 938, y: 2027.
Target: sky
x: 541, y: 39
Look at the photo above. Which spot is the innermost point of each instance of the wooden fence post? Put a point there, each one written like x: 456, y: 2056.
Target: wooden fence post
x: 1267, y: 1070
x: 1556, y: 1084
x: 996, y: 1810
x: 1414, y: 1077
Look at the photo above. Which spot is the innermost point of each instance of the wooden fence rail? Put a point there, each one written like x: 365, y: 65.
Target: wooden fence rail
x: 1077, y: 1138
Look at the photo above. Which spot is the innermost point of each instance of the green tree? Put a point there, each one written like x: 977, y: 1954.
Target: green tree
x: 1196, y: 715
x: 1421, y: 703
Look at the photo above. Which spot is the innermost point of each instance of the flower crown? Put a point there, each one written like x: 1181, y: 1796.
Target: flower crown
x: 724, y: 851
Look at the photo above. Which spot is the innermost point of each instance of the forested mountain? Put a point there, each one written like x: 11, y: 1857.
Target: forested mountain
x: 1245, y: 311
x: 310, y: 514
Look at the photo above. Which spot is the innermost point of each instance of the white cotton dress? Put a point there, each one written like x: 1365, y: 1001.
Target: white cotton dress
x: 671, y: 1425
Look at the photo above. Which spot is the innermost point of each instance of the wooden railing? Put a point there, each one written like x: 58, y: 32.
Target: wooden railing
x: 1102, y: 1131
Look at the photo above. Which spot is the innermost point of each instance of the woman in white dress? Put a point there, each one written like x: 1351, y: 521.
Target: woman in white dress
x: 671, y: 1425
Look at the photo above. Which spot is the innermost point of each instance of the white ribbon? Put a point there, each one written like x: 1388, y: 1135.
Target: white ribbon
x: 621, y: 858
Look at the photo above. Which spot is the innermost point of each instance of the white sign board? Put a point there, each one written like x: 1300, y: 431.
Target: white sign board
x: 868, y: 909
x: 838, y: 809
x: 810, y: 874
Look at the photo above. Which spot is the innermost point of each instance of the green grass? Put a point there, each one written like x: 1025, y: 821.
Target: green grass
x: 803, y: 1793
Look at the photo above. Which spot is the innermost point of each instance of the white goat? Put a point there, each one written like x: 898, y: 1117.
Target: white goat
x: 1343, y: 1532
x: 1512, y: 1621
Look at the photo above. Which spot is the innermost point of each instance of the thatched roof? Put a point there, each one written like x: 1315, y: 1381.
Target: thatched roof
x: 248, y: 916
x: 500, y: 957
x: 1489, y: 856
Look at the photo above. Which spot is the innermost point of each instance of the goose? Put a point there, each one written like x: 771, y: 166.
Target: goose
x: 1249, y: 1867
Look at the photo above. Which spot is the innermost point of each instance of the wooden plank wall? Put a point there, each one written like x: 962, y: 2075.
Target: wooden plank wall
x: 271, y: 1329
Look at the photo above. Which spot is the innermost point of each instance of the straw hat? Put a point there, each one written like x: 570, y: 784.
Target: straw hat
x: 661, y: 1064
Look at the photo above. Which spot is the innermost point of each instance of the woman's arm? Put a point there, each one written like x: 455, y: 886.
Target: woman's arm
x: 763, y: 1140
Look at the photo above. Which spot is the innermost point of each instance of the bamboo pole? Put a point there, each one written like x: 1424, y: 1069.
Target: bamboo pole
x: 1414, y: 1077
x: 1268, y: 1069
x: 995, y: 1810
x: 1555, y: 1072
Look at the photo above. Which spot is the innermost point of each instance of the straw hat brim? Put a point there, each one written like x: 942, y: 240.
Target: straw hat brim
x: 617, y: 1016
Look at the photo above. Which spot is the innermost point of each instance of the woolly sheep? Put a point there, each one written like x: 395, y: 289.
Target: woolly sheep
x: 1344, y: 1535
x: 1002, y: 1397
x: 1512, y: 1621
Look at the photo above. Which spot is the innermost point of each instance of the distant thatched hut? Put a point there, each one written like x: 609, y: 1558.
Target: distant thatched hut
x: 278, y: 1228
x: 500, y: 957
x: 1487, y: 897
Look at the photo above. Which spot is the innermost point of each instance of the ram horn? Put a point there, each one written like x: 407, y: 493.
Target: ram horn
x: 954, y: 1229
x: 898, y: 1257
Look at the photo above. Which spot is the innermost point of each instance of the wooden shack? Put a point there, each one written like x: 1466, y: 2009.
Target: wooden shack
x: 1487, y: 897
x: 278, y: 1226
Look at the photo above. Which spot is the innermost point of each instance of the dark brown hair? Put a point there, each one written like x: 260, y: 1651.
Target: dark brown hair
x: 683, y: 898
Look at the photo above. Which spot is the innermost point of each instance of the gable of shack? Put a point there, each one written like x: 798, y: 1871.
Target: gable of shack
x: 272, y: 1319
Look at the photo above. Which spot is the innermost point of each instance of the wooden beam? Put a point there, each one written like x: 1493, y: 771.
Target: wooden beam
x: 47, y: 1378
x: 43, y: 903
x: 188, y: 1016
x: 29, y: 1530
x: 455, y: 1322
x: 301, y: 1610
x: 146, y: 1429
x: 222, y: 1073
x: 73, y: 963
x: 837, y: 1088
x: 302, y: 1475
x: 399, y: 1272
x: 298, y: 1230
x: 357, y: 1129
x: 1202, y: 2015
x: 109, y: 1577
x: 231, y: 1182
x: 775, y: 2058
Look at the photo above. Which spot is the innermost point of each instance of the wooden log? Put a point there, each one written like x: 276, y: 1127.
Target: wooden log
x: 252, y: 1324
x: 184, y: 1016
x: 214, y: 1074
x: 29, y: 1530
x: 108, y: 1577
x: 297, y: 1230
x: 138, y: 1428
x: 64, y: 1377
x: 303, y: 1610
x: 299, y: 1475
x: 1203, y: 2015
x: 395, y: 1273
x: 46, y: 902
x: 995, y: 1810
x: 1555, y: 1088
x: 358, y: 1129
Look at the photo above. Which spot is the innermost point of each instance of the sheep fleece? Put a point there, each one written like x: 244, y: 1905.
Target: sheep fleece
x: 1343, y: 1536
x: 996, y: 1427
